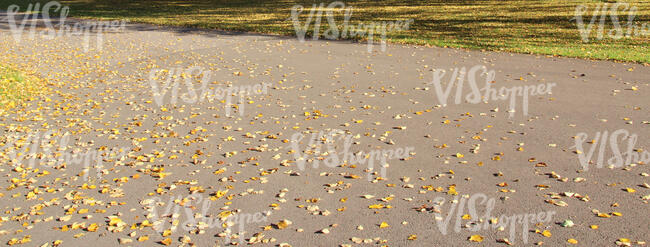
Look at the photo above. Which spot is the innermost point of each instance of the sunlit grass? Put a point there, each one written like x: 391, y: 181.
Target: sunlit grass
x: 16, y: 87
x: 523, y: 26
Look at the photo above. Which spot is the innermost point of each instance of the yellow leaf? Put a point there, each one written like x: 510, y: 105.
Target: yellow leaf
x: 572, y: 241
x: 476, y: 238
x: 412, y: 237
x: 92, y: 227
x: 146, y: 223
x: 452, y: 190
x: 219, y: 194
x: 13, y: 241
x: 383, y: 224
x: 282, y: 224
x: 114, y: 221
x: 546, y: 233
x: 224, y: 215
x: 166, y: 241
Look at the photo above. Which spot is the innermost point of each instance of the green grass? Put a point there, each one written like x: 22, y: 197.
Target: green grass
x: 15, y: 87
x: 530, y: 26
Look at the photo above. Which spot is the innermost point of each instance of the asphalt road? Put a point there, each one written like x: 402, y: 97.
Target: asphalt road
x: 241, y: 155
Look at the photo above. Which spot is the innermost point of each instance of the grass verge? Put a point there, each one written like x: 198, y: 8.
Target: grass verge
x: 16, y: 87
x: 523, y: 26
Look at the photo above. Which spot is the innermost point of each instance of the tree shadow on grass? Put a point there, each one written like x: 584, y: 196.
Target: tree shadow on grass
x: 479, y: 24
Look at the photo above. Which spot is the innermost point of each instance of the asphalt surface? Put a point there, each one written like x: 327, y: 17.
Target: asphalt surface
x: 240, y: 157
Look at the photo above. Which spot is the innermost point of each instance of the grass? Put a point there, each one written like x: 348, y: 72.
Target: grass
x: 16, y: 87
x: 521, y: 26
